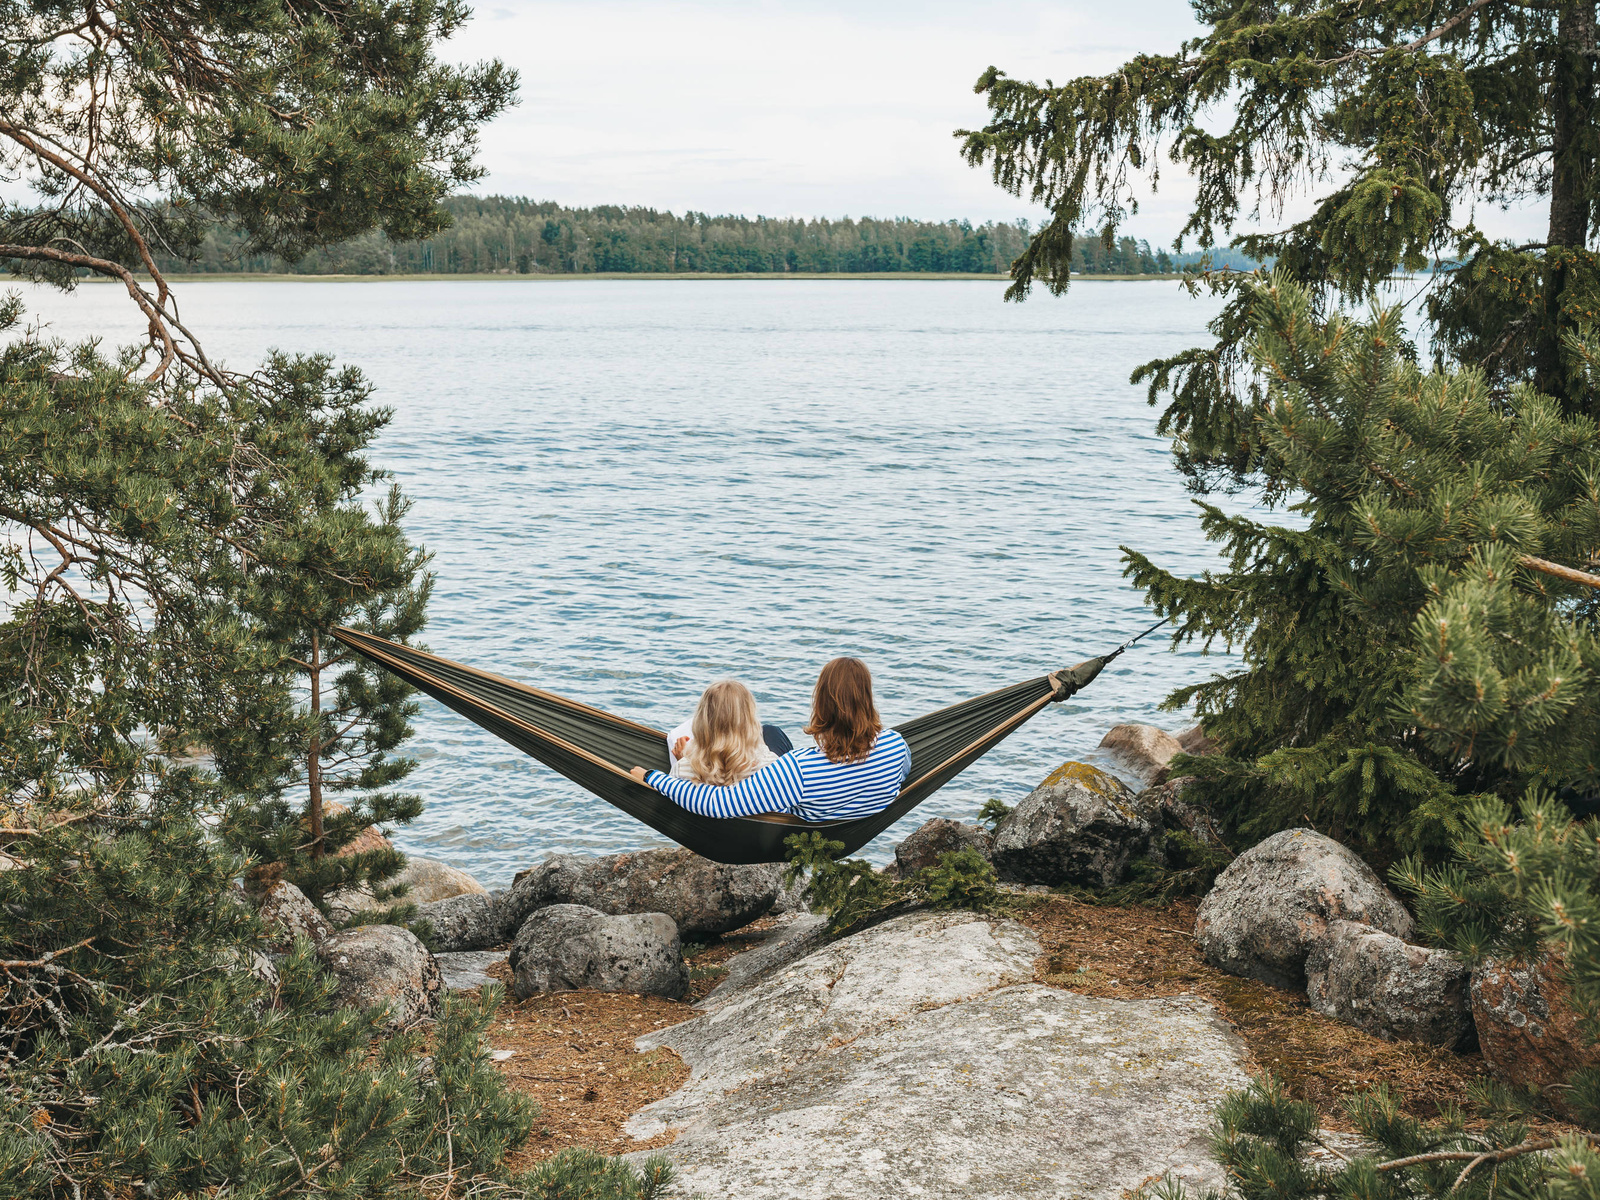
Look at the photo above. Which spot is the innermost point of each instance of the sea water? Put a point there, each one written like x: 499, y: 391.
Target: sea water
x: 633, y: 488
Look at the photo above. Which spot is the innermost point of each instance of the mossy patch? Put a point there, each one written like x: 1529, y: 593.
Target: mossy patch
x: 1084, y: 775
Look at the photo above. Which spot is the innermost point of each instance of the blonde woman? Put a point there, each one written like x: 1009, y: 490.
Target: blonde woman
x: 725, y: 742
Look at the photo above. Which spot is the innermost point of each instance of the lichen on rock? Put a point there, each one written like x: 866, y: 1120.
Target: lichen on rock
x: 918, y: 1059
x: 1277, y: 899
x: 1080, y: 826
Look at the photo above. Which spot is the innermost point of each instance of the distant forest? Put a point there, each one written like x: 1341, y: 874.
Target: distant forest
x: 506, y: 235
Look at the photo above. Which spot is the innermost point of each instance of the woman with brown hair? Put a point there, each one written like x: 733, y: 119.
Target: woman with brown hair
x: 856, y: 767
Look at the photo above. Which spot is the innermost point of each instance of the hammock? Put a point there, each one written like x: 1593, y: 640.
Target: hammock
x: 595, y: 749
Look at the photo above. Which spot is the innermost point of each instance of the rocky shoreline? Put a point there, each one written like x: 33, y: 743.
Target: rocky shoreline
x: 923, y: 1055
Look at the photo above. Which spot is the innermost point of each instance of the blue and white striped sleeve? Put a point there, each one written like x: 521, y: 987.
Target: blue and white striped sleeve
x: 777, y: 787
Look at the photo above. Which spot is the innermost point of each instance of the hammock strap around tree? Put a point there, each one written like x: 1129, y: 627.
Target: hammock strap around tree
x: 594, y: 748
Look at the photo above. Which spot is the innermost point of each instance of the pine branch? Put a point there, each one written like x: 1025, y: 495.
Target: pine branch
x: 42, y: 960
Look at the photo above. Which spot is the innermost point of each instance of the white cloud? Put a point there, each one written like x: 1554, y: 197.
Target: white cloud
x: 788, y: 108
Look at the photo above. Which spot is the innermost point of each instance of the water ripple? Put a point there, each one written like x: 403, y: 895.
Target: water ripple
x: 633, y: 488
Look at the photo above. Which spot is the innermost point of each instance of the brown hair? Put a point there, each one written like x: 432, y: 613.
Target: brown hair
x: 844, y: 721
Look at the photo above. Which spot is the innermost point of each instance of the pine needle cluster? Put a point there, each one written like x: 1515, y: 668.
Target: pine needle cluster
x: 1523, y: 886
x: 149, y: 1045
x: 1272, y: 1149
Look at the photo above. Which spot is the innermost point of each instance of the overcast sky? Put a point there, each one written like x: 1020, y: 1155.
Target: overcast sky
x: 781, y: 107
x: 791, y: 108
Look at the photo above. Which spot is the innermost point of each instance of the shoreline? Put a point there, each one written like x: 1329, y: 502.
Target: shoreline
x: 653, y: 276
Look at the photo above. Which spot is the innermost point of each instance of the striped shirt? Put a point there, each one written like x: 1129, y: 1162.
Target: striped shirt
x: 803, y: 783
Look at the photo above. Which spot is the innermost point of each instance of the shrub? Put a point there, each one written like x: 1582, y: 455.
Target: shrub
x: 850, y: 891
x: 149, y: 1046
x: 579, y: 1174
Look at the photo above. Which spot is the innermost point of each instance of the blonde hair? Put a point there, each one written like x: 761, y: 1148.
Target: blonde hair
x: 726, y: 741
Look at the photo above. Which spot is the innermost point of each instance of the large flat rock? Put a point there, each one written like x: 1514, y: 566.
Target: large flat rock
x: 917, y: 1059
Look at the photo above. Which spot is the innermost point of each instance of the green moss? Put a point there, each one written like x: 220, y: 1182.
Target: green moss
x: 1093, y: 778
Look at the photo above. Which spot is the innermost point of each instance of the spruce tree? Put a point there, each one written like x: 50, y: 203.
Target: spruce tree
x: 1394, y: 119
x: 1421, y: 494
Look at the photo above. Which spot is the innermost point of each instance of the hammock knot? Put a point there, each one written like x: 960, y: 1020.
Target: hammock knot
x: 1070, y: 680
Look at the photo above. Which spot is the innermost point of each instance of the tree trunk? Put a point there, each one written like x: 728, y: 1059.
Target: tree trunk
x: 1571, y: 168
x: 314, y: 751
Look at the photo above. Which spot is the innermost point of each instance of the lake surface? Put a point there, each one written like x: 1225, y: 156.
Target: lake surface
x: 634, y: 488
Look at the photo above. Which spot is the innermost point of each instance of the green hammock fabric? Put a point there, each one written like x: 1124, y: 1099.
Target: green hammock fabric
x: 595, y: 749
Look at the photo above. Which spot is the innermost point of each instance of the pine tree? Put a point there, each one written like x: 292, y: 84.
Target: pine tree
x: 155, y: 508
x: 326, y: 559
x: 1517, y: 888
x: 148, y: 1047
x: 300, y: 126
x: 146, y: 1043
x: 1418, y: 491
x: 1394, y: 119
x: 1271, y: 1149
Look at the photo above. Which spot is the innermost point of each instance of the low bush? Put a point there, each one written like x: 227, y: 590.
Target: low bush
x: 1271, y: 1149
x: 579, y: 1174
x: 849, y: 891
x: 150, y: 1048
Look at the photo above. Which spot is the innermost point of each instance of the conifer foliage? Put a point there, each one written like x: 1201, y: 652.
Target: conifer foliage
x: 1522, y: 885
x: 1272, y: 1149
x: 1366, y: 626
x: 1393, y: 119
x: 850, y: 891
x: 171, y: 534
x: 327, y: 559
x: 150, y: 1049
x: 1401, y: 649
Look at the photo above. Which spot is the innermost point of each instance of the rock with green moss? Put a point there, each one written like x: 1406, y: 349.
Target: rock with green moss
x: 1080, y: 826
x: 934, y: 838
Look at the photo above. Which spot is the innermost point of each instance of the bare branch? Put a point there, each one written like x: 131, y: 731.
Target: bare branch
x: 1569, y: 574
x: 104, y: 266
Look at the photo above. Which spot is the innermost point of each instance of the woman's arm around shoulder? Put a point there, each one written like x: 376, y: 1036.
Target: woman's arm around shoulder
x: 776, y: 787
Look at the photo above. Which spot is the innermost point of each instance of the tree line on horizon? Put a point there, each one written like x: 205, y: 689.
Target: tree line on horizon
x: 512, y: 235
